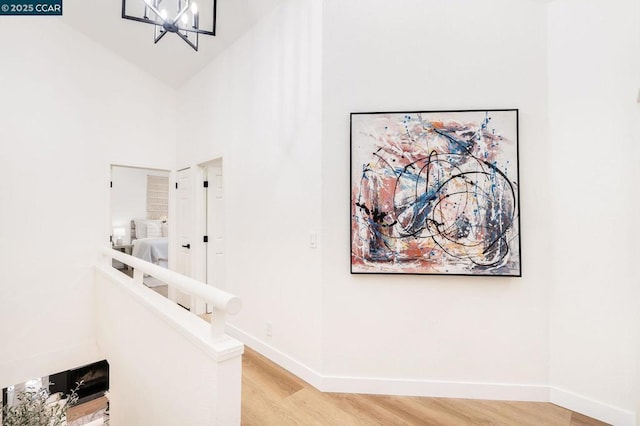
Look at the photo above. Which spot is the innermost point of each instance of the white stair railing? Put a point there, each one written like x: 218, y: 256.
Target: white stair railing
x: 222, y: 302
x: 166, y: 365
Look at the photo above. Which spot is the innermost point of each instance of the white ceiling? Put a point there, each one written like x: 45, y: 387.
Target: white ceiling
x: 171, y: 60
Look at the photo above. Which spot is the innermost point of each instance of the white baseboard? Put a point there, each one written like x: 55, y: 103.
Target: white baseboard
x: 438, y: 389
x: 384, y: 386
x: 283, y: 360
x: 592, y: 408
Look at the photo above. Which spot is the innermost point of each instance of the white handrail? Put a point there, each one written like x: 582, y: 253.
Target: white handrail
x: 221, y: 301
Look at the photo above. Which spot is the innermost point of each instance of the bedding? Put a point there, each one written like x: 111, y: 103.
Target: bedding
x: 149, y: 241
x: 154, y: 250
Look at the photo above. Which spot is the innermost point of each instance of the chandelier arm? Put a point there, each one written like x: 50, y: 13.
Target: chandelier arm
x: 162, y: 34
x: 154, y: 10
x: 194, y: 46
x: 182, y: 12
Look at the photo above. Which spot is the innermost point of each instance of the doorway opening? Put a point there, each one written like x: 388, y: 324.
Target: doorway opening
x: 139, y: 217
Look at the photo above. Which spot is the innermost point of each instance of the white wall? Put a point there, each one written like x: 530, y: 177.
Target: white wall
x: 258, y: 105
x: 594, y: 80
x: 69, y: 108
x: 418, y: 332
x: 276, y: 106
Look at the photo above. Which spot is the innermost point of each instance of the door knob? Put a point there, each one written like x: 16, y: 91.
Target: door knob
x: 187, y: 246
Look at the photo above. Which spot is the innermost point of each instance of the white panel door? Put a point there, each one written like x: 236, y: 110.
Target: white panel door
x: 184, y: 263
x: 215, y: 227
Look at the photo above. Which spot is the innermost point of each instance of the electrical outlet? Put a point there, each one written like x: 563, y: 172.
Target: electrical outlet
x: 269, y: 329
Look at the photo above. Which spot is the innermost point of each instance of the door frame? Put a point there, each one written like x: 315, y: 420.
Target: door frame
x: 173, y: 294
x: 199, y: 248
x: 199, y: 254
x: 205, y: 211
x: 108, y: 228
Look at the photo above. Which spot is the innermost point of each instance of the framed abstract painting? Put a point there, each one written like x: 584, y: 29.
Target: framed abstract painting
x: 435, y: 192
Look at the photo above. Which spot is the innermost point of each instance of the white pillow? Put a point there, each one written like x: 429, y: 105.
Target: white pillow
x: 154, y: 230
x: 141, y: 228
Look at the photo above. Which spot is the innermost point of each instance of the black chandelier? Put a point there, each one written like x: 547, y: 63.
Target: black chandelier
x: 185, y: 18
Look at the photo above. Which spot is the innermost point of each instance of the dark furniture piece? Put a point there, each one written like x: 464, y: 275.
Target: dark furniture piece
x: 94, y: 377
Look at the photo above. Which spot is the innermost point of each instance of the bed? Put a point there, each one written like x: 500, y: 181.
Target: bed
x: 150, y: 242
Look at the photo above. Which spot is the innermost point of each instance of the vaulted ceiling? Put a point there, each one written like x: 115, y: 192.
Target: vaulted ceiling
x: 171, y: 60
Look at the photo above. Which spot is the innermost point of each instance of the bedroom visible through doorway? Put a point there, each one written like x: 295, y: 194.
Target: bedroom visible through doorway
x: 140, y: 214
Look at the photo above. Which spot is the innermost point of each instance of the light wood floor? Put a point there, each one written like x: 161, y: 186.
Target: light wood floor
x: 273, y: 396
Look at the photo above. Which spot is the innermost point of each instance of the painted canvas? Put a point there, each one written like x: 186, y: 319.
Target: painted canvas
x: 435, y: 192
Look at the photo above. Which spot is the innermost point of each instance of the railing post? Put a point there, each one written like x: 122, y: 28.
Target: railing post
x: 106, y: 261
x: 217, y: 323
x: 138, y: 276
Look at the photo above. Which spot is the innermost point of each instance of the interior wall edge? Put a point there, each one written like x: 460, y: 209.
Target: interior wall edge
x: 306, y: 373
x: 591, y: 407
